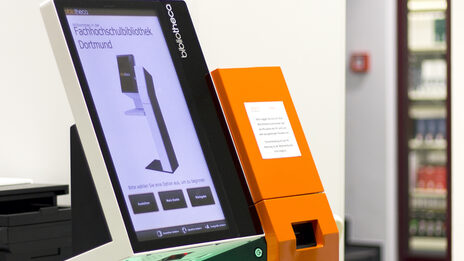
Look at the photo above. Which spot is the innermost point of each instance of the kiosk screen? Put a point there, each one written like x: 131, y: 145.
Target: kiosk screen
x: 146, y: 123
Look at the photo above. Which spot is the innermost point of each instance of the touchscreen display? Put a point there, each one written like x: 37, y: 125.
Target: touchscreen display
x: 159, y: 162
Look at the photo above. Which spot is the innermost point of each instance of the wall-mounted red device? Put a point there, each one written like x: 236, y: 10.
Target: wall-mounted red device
x: 360, y: 62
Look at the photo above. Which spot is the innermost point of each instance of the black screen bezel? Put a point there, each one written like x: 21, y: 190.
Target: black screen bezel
x: 217, y: 147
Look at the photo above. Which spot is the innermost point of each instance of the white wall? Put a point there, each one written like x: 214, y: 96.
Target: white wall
x: 305, y: 37
x: 371, y: 126
x: 457, y: 129
x: 35, y: 117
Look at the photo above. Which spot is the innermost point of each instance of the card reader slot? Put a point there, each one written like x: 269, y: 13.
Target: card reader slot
x: 305, y: 234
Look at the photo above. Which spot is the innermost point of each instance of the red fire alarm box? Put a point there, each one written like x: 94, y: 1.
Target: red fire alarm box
x: 359, y: 62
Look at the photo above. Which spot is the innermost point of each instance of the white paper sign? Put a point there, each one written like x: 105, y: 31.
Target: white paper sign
x: 272, y: 130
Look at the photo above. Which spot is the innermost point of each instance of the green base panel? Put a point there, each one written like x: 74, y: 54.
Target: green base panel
x: 253, y: 251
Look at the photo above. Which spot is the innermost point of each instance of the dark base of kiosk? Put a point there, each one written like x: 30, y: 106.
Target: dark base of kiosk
x: 88, y: 223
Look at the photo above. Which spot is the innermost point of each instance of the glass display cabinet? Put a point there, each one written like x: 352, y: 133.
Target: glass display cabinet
x: 423, y: 130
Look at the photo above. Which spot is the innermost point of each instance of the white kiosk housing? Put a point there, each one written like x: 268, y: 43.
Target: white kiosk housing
x: 192, y: 201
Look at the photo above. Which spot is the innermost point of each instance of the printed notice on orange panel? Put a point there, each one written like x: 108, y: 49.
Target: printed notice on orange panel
x: 272, y: 129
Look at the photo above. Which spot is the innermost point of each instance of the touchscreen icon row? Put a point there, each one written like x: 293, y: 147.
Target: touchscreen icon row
x: 172, y: 199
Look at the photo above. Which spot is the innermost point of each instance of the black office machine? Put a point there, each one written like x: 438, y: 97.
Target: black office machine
x: 32, y: 226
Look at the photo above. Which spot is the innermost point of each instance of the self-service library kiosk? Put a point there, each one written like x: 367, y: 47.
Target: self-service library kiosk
x: 185, y: 168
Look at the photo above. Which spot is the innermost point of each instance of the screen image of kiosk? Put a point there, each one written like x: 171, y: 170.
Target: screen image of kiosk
x: 170, y: 161
x: 146, y: 104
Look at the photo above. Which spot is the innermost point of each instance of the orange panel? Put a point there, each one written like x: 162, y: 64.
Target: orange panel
x: 286, y: 188
x: 277, y: 217
x: 267, y: 178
